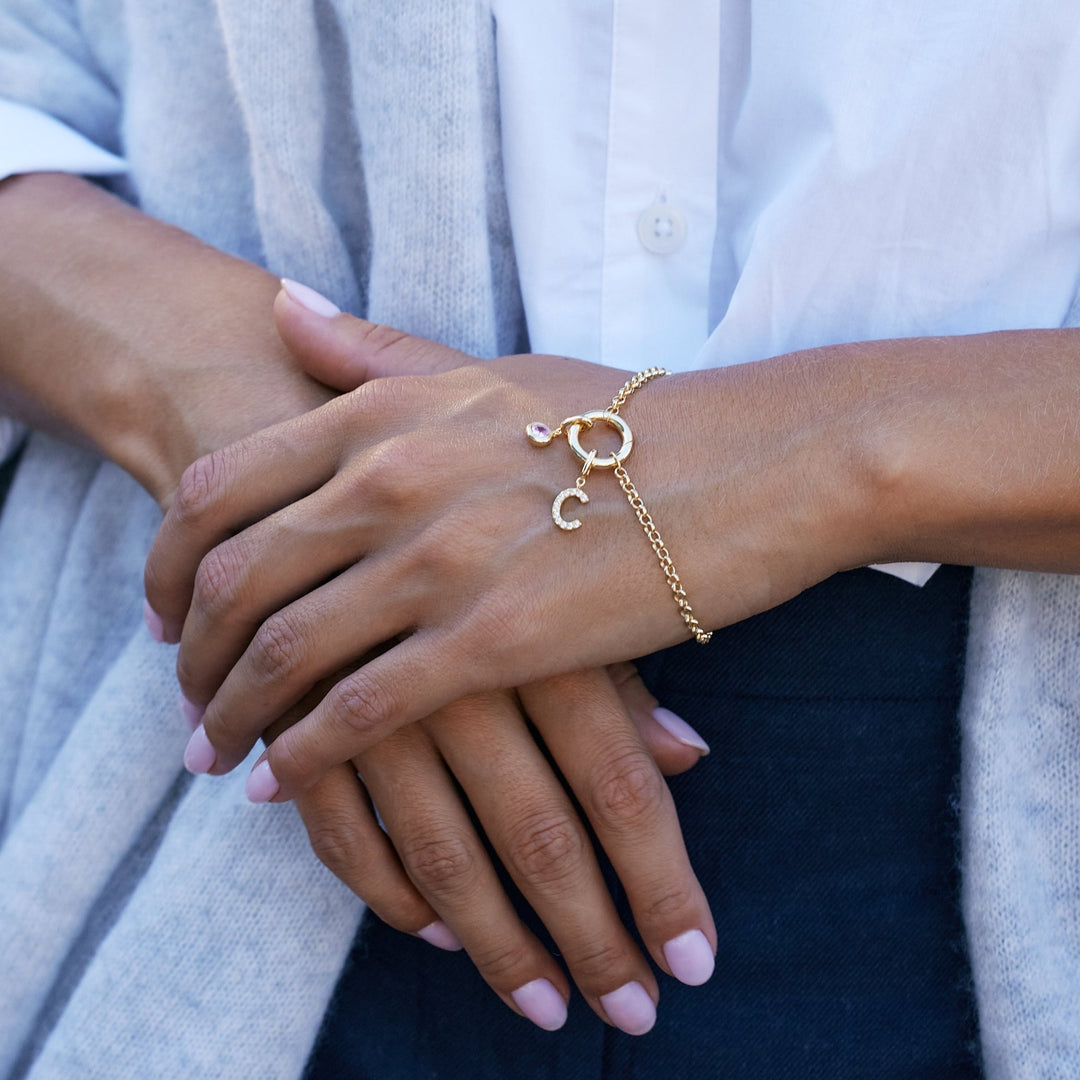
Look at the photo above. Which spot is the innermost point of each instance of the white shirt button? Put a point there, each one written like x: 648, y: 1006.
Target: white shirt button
x: 661, y: 228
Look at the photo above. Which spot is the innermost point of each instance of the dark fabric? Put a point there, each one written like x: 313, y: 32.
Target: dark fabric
x: 7, y: 474
x: 823, y: 827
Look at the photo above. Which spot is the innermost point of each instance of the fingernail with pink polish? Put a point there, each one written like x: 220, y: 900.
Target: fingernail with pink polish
x: 690, y: 958
x: 192, y: 713
x: 153, y: 622
x: 541, y: 1003
x: 262, y: 785
x: 630, y: 1008
x: 200, y: 755
x: 677, y: 726
x: 441, y: 936
x: 307, y: 297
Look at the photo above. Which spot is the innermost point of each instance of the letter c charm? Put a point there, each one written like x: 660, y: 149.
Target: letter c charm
x: 556, y: 508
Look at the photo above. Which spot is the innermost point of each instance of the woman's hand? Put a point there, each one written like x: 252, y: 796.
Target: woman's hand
x: 156, y: 349
x: 416, y: 509
x: 525, y: 814
x: 430, y: 874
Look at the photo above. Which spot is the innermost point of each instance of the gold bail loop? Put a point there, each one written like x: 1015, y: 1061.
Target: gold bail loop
x: 585, y: 470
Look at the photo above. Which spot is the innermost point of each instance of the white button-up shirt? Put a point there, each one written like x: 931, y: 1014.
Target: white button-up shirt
x: 709, y: 182
x: 821, y: 171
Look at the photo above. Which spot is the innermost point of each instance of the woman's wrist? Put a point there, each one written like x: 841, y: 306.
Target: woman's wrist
x: 766, y: 478
x: 757, y: 477
x: 124, y: 333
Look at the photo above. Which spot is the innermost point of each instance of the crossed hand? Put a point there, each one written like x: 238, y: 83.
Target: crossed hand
x: 362, y: 584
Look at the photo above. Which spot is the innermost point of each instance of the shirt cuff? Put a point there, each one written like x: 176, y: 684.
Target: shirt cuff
x: 33, y: 141
x: 916, y: 573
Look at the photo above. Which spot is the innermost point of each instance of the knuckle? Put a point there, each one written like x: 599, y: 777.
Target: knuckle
x: 378, y: 335
x: 546, y: 849
x: 501, y: 962
x: 362, y: 704
x: 442, y: 863
x: 338, y: 842
x: 385, y: 481
x: 596, y: 965
x: 628, y: 789
x: 391, y: 391
x: 277, y: 650
x: 575, y: 690
x: 218, y: 580
x: 667, y: 903
x: 200, y: 486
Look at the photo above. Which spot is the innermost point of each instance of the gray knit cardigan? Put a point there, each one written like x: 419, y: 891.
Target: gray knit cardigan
x: 157, y: 926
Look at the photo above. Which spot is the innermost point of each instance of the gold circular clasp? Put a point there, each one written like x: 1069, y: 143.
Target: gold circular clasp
x: 573, y: 432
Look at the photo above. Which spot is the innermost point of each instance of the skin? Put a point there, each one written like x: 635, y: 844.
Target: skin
x: 142, y: 328
x: 432, y: 513
x: 157, y: 350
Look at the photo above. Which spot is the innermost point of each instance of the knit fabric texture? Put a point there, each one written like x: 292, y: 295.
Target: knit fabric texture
x: 154, y: 926
x: 1020, y: 818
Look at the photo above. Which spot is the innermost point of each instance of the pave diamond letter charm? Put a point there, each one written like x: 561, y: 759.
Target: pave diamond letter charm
x: 556, y: 508
x: 538, y: 434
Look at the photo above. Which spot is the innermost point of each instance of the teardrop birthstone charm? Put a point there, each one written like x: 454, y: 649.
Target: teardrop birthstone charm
x: 538, y: 434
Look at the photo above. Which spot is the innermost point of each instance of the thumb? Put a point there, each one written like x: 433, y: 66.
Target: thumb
x: 343, y: 351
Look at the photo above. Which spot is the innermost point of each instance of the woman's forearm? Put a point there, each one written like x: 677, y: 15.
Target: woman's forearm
x: 960, y: 449
x: 762, y: 480
x: 977, y: 449
x: 123, y: 333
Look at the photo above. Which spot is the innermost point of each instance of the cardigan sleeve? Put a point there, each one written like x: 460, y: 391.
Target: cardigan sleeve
x: 46, y: 63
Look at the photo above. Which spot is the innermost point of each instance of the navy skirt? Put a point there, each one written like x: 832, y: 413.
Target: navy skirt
x: 823, y: 827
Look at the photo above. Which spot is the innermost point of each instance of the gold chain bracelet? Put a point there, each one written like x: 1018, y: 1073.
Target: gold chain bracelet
x: 541, y: 435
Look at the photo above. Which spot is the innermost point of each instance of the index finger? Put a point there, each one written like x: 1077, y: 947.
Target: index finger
x: 413, y: 679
